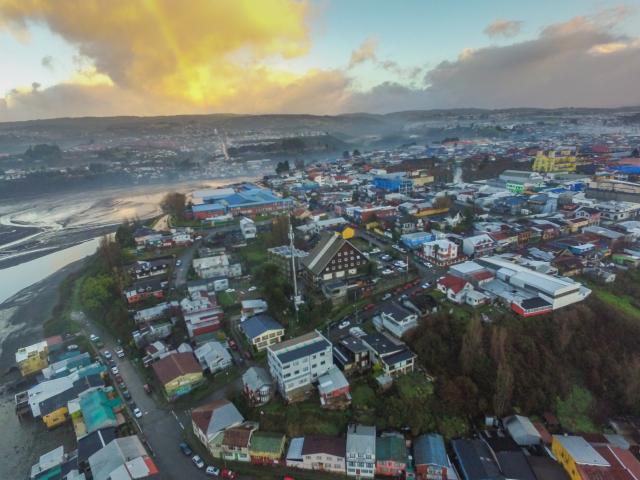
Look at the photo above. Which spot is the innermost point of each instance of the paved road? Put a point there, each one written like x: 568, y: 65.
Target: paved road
x: 161, y: 425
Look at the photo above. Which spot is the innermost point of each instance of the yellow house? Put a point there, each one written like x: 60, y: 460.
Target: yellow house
x: 179, y: 373
x: 33, y: 358
x: 563, y: 160
x: 575, y: 452
x: 56, y: 417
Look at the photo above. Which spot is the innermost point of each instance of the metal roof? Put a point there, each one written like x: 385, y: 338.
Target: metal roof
x: 258, y: 325
x: 580, y: 450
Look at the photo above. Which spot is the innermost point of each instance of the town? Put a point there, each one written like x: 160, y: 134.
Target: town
x: 340, y: 317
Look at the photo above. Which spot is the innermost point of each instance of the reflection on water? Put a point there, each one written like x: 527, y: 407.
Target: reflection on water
x: 14, y: 279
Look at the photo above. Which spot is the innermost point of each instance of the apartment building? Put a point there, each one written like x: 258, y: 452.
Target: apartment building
x: 295, y: 364
x: 361, y: 451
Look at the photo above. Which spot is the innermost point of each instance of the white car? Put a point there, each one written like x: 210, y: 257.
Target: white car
x: 386, y: 296
x: 250, y: 289
x: 387, y: 272
x: 137, y: 412
x: 343, y: 324
x: 198, y: 461
x: 119, y: 352
x: 93, y: 337
x: 426, y: 285
x: 107, y: 354
x: 178, y: 263
x: 213, y: 471
x: 230, y: 290
x: 115, y: 370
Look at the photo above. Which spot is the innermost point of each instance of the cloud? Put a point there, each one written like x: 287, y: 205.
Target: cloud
x: 503, y: 28
x: 365, y: 52
x: 47, y: 62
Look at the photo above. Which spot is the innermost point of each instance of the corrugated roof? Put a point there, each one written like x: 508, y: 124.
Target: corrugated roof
x: 267, y: 442
x: 323, y: 444
x: 173, y: 366
x: 430, y: 449
x: 259, y: 324
x: 391, y: 447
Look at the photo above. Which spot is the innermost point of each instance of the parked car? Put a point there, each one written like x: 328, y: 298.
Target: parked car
x: 212, y: 471
x: 343, y: 324
x: 115, y: 370
x: 197, y: 461
x: 228, y: 474
x: 247, y: 355
x: 93, y: 337
x: 387, y: 272
x: 147, y: 388
x: 119, y: 352
x: 386, y: 296
x: 426, y: 285
x: 126, y: 394
x: 368, y: 307
x: 107, y: 354
x: 185, y: 449
x: 119, y: 379
x: 138, y: 414
x: 178, y: 263
x: 233, y: 345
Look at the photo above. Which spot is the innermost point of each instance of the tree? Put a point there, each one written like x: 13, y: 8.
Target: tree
x: 504, y: 388
x: 471, y: 345
x: 282, y: 167
x: 442, y: 202
x: 174, y: 204
x: 124, y: 234
x: 96, y: 293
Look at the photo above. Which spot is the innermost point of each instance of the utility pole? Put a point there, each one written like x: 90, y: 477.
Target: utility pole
x: 293, y: 269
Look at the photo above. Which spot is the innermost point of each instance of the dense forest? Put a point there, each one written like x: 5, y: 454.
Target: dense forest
x: 581, y: 362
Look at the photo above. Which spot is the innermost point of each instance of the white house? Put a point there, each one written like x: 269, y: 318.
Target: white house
x: 440, y: 251
x: 213, y: 356
x: 361, y: 451
x: 247, y: 228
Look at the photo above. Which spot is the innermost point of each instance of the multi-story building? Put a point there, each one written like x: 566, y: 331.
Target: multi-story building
x: 558, y: 160
x: 440, y: 251
x: 361, y: 451
x: 33, y: 358
x: 393, y: 355
x: 261, y: 331
x: 333, y: 258
x: 395, y: 319
x: 247, y: 228
x: 295, y: 364
x: 478, y: 245
x: 317, y: 452
x: 257, y: 385
x: 281, y: 256
x: 202, y: 315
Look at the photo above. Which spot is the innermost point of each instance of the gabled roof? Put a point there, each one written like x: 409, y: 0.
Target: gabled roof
x: 391, y: 447
x: 239, y: 436
x: 330, y: 243
x: 430, y: 450
x: 258, y: 325
x: 449, y: 282
x: 323, y: 444
x: 176, y: 365
x: 216, y: 416
x: 267, y: 442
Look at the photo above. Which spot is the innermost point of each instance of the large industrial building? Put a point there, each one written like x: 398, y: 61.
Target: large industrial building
x: 243, y: 200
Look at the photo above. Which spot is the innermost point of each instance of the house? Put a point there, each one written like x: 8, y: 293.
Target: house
x: 122, y: 458
x: 393, y: 355
x: 235, y: 443
x: 523, y: 432
x: 210, y: 421
x: 361, y: 451
x: 281, y: 256
x: 253, y: 307
x: 391, y: 455
x: 146, y: 288
x: 266, y: 448
x: 216, y: 266
x: 213, y: 356
x: 476, y: 460
x: 54, y: 464
x: 33, y: 358
x: 297, y: 363
x: 54, y: 408
x: 333, y: 258
x: 478, y: 245
x: 318, y: 452
x: 257, y: 386
x: 95, y: 410
x: 202, y: 315
x: 262, y: 331
x: 333, y: 388
x: 150, y: 268
x: 455, y: 288
x: 248, y: 228
x: 351, y: 355
x: 579, y: 459
x: 178, y: 373
x: 546, y: 468
x: 441, y: 251
x: 431, y: 460
x: 395, y: 319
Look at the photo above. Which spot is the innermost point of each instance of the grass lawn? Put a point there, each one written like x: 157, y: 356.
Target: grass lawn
x: 254, y: 254
x: 184, y: 222
x: 211, y: 384
x: 227, y: 300
x: 303, y: 418
x: 620, y: 302
x: 61, y: 320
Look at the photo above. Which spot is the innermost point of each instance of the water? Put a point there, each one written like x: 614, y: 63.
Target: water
x: 18, y: 277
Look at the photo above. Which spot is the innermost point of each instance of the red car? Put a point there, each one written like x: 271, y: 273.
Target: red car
x: 369, y: 306
x: 233, y: 345
x: 119, y: 378
x: 416, y: 282
x: 399, y: 290
x: 230, y: 474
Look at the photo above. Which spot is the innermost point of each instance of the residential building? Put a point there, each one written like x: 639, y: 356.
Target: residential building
x: 253, y: 307
x: 391, y: 455
x: 523, y: 432
x: 476, y: 460
x: 351, y: 355
x: 202, y: 315
x: 146, y: 288
x: 395, y: 319
x: 209, y: 422
x: 281, y: 256
x: 33, y: 358
x: 257, y: 385
x: 562, y: 159
x: 178, y: 373
x: 393, y: 355
x: 361, y: 451
x: 318, y: 452
x: 455, y: 288
x: 441, y: 252
x: 150, y: 268
x: 333, y: 258
x: 478, y: 245
x: 213, y: 356
x: 334, y: 389
x: 95, y: 410
x: 122, y: 458
x: 216, y: 266
x: 297, y: 363
x: 54, y: 464
x: 578, y: 457
x: 235, y: 443
x: 248, y: 228
x: 431, y: 460
x: 262, y: 331
x: 266, y: 448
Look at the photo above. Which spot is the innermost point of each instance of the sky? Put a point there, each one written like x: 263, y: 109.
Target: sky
x: 65, y: 58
